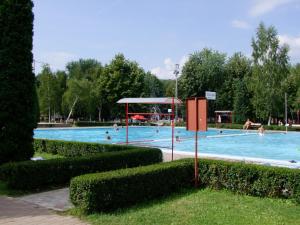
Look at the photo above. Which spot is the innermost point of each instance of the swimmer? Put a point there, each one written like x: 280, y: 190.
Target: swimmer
x: 221, y: 132
x: 261, y: 130
x: 108, y: 137
x: 177, y: 138
x: 106, y: 132
x: 157, y: 130
x: 247, y: 124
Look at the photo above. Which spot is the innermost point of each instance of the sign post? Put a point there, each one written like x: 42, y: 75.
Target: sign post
x: 196, y: 120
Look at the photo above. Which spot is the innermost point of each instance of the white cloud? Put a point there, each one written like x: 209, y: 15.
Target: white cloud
x: 294, y: 44
x: 261, y: 7
x: 240, y: 24
x: 167, y: 71
x: 56, y: 60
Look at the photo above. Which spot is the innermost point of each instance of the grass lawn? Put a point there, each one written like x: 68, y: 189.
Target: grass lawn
x: 47, y: 155
x: 204, y: 207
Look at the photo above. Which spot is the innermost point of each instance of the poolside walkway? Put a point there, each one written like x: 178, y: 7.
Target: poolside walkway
x: 15, y: 211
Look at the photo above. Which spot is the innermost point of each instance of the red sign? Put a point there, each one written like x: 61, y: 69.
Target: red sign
x: 196, y: 114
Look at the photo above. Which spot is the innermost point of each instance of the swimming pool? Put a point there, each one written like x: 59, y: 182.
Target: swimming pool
x: 229, y: 143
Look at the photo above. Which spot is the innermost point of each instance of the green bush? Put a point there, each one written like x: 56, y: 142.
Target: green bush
x: 74, y: 149
x: 121, y: 188
x: 18, y: 99
x: 30, y: 175
x: 256, y: 180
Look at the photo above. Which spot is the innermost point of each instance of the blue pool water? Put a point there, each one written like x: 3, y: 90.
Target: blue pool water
x: 276, y: 146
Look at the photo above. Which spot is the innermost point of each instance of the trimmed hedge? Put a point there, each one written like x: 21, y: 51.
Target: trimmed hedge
x: 116, y: 189
x: 30, y: 175
x: 121, y: 188
x: 74, y: 149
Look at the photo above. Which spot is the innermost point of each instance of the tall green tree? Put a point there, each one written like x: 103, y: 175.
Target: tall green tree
x: 122, y: 78
x: 17, y: 81
x: 153, y: 87
x: 204, y: 71
x: 84, y: 68
x: 241, y: 101
x: 50, y: 90
x: 270, y: 68
x: 78, y: 97
x: 236, y: 68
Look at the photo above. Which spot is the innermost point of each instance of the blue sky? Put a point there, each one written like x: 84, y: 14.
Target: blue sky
x: 156, y: 34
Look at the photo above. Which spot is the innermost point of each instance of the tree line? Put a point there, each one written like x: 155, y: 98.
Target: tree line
x: 252, y: 87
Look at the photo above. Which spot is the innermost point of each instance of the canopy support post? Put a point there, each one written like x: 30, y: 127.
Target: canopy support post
x: 127, y: 123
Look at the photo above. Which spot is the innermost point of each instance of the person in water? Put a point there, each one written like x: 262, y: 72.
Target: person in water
x: 261, y: 130
x: 247, y: 124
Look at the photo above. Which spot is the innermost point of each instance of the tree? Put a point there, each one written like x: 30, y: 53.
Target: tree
x: 237, y: 67
x: 270, y: 68
x: 204, y: 71
x: 17, y: 81
x: 84, y: 68
x: 50, y: 91
x: 79, y: 91
x: 153, y: 87
x: 241, y: 101
x: 121, y: 78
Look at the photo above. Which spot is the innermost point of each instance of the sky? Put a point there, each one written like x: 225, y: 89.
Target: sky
x: 157, y: 34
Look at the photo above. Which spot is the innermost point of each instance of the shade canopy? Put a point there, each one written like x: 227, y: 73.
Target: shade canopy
x: 150, y: 100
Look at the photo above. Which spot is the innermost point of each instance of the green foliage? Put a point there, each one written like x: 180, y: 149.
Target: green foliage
x: 50, y: 88
x: 241, y: 101
x: 29, y: 175
x: 18, y: 112
x: 204, y: 71
x: 74, y: 149
x: 122, y: 188
x: 270, y: 69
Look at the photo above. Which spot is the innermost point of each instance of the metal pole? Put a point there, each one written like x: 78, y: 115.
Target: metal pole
x: 286, y: 120
x: 126, y: 123
x: 196, y: 159
x: 176, y: 72
x: 172, y: 121
x: 196, y: 145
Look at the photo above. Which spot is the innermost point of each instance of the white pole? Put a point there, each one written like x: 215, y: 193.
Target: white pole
x: 176, y: 72
x: 286, y: 119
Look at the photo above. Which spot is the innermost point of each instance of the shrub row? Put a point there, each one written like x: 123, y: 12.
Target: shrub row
x: 74, y: 149
x: 29, y: 175
x: 121, y: 188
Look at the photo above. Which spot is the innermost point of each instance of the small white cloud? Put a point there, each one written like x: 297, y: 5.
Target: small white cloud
x: 240, y: 24
x: 167, y: 71
x: 261, y: 7
x: 56, y: 60
x: 294, y: 44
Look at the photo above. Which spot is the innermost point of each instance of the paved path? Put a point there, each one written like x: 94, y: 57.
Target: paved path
x: 18, y: 212
x: 57, y: 200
